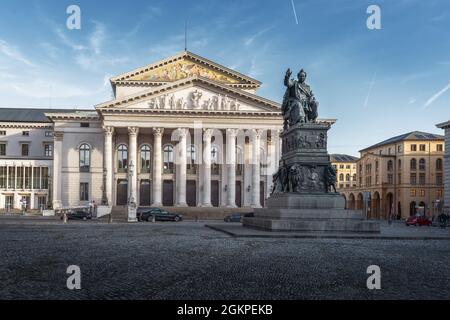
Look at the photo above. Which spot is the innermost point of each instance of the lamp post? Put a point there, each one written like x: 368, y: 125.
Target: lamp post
x: 131, y: 200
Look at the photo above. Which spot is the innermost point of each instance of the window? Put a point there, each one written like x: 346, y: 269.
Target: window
x: 2, y: 177
x: 399, y: 164
x: 413, y: 164
x: 439, y: 164
x: 191, y: 159
x: 11, y: 179
x: 390, y: 178
x: 376, y: 166
x: 422, y: 164
x: 354, y: 177
x: 122, y: 158
x: 341, y: 166
x: 26, y: 133
x: 145, y: 158
x: 48, y: 133
x: 2, y: 133
x: 422, y: 147
x: 84, y: 125
x: 27, y: 178
x: 347, y: 166
x: 25, y: 149
x: 422, y: 179
x: 85, y: 157
x: 439, y: 147
x: 439, y: 179
x: 341, y: 177
x: 48, y: 150
x: 413, y: 147
x: 389, y: 150
x: 399, y: 149
x: 413, y: 178
x: 19, y: 177
x: 390, y: 165
x: 168, y: 159
x: 44, y: 177
x: 239, y: 161
x: 215, y: 163
x: 399, y: 178
x: 412, y: 192
x: 2, y: 149
x: 84, y: 191
x: 347, y: 177
x: 36, y: 177
x: 422, y: 193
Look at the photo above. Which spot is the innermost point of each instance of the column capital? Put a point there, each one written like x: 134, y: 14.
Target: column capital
x: 257, y: 133
x: 158, y: 132
x: 232, y: 132
x: 133, y: 131
x: 58, y: 135
x: 109, y: 130
x: 207, y: 134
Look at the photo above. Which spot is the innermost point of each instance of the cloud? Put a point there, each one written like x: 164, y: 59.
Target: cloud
x: 436, y: 96
x: 150, y: 13
x: 13, y: 53
x: 65, y: 40
x: 248, y: 41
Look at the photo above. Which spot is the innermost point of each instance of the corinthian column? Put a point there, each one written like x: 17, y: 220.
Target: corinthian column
x: 157, y: 167
x: 207, y: 134
x: 231, y: 163
x: 132, y: 181
x: 181, y: 167
x: 57, y: 167
x: 108, y: 163
x: 256, y: 172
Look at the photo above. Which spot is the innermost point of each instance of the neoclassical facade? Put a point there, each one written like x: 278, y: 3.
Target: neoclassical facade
x: 446, y: 127
x: 183, y: 131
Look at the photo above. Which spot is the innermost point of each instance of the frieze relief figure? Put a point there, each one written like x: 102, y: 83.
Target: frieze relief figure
x: 195, y: 99
x: 172, y: 104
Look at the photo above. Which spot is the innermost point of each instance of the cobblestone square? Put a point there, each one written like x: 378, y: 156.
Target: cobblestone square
x: 189, y: 261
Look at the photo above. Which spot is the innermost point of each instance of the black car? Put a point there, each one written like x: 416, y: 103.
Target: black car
x: 236, y: 217
x: 147, y: 214
x: 78, y: 215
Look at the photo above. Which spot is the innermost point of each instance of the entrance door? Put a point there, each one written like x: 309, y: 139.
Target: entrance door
x: 42, y: 200
x: 9, y: 202
x: 144, y: 193
x: 122, y: 192
x: 215, y: 193
x: 238, y: 198
x: 191, y: 193
x: 26, y: 202
x: 168, y: 193
x: 262, y: 193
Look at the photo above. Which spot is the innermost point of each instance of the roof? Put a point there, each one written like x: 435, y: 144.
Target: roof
x: 443, y: 125
x: 30, y: 115
x: 414, y: 135
x: 342, y: 158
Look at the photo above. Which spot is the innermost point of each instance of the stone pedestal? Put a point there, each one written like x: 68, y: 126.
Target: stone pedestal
x: 303, y: 198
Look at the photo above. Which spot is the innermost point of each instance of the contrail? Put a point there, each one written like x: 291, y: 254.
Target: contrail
x: 372, y: 83
x: 437, y: 95
x: 295, y: 13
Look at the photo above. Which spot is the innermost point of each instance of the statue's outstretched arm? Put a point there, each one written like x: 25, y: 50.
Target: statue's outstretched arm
x: 287, y: 81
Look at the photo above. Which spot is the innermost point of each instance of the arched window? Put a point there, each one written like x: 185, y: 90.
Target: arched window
x: 239, y: 161
x: 215, y: 160
x: 422, y: 164
x: 146, y: 158
x: 341, y: 177
x: 122, y: 158
x: 347, y: 177
x: 399, y: 164
x: 168, y: 159
x: 413, y: 164
x: 390, y: 165
x: 192, y: 159
x: 354, y: 177
x: 85, y: 157
x: 439, y: 164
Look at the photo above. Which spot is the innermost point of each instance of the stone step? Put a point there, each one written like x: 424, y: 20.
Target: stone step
x: 311, y: 214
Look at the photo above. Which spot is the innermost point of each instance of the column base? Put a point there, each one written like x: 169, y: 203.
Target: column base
x: 255, y: 206
x: 206, y: 205
x: 181, y: 205
x: 156, y: 204
x: 231, y: 206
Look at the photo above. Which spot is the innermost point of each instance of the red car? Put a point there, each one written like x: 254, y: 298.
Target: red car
x: 418, y: 221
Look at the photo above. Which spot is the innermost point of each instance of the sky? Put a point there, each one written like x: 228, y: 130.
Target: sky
x: 377, y: 83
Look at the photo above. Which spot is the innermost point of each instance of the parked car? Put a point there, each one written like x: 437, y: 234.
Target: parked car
x: 237, y: 217
x: 147, y: 214
x: 78, y: 215
x: 418, y: 220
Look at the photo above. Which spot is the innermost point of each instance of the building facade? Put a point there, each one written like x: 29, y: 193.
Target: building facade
x: 183, y: 131
x: 446, y: 127
x: 345, y: 166
x: 401, y: 176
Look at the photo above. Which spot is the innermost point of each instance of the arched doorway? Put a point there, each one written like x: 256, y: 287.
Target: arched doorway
x: 412, y: 208
x: 359, y: 202
x: 389, y: 210
x: 351, y: 201
x: 375, y: 203
x: 345, y: 198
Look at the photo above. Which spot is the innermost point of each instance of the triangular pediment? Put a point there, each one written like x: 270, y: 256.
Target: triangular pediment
x: 194, y: 94
x: 185, y: 65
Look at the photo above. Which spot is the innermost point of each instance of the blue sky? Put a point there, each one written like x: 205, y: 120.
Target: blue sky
x: 377, y: 83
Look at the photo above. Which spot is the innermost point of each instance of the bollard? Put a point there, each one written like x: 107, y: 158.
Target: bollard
x: 65, y: 217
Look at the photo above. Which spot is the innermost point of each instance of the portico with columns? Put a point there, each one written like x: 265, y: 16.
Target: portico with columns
x: 181, y: 132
